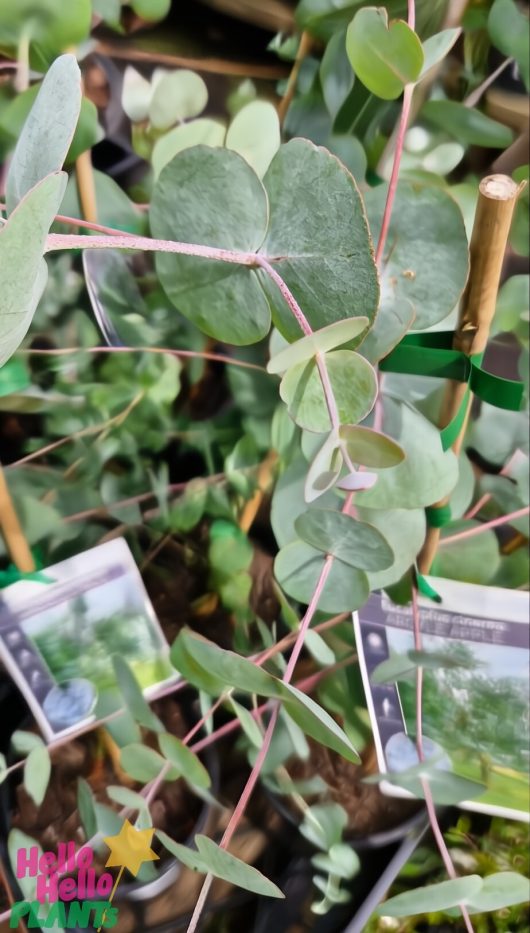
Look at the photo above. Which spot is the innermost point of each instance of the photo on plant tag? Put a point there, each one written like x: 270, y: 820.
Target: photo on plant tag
x: 60, y: 632
x: 475, y: 684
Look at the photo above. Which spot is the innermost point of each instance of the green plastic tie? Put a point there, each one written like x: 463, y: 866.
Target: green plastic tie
x: 12, y: 575
x: 425, y: 588
x: 438, y: 515
x: 432, y: 354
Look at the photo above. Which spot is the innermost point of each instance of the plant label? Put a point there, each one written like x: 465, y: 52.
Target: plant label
x: 473, y: 654
x: 58, y: 636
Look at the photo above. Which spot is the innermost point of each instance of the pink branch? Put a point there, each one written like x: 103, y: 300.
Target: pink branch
x: 191, y: 354
x: 494, y: 523
x: 291, y: 301
x: 402, y: 129
x: 429, y: 801
x: 392, y: 188
x: 57, y: 241
x: 475, y: 509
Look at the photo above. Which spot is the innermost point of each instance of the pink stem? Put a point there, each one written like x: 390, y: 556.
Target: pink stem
x: 57, y: 241
x: 291, y: 301
x: 494, y: 523
x: 392, y: 188
x: 192, y: 354
x: 328, y: 391
x: 429, y: 801
x: 475, y: 509
x: 402, y: 129
x: 246, y: 794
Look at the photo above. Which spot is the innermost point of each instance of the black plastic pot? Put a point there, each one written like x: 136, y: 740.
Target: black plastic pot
x: 136, y: 895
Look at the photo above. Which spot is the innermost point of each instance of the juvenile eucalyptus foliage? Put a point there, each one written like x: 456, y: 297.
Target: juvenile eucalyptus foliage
x: 276, y: 242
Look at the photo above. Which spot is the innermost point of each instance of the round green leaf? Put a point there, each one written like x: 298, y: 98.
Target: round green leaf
x: 297, y: 568
x: 426, y: 475
x: 212, y: 197
x: 177, y: 95
x: 370, y: 448
x: 320, y: 341
x: 385, y: 57
x: 255, y: 134
x: 432, y: 897
x: 288, y: 500
x: 404, y: 530
x: 350, y: 152
x: 354, y: 385
x: 393, y: 320
x: 317, y: 239
x: 136, y: 94
x: 355, y: 543
x: 204, y: 132
x: 474, y: 561
x: 426, y: 222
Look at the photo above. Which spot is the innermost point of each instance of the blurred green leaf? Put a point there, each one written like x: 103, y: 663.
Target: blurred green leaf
x: 48, y: 130
x: 255, y: 134
x: 184, y: 760
x: 133, y: 695
x: 432, y: 897
x: 37, y: 770
x: 510, y: 33
x: 336, y: 75
x: 467, y: 124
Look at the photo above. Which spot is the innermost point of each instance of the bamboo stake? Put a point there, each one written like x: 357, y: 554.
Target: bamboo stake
x: 16, y: 542
x: 86, y: 186
x: 497, y: 198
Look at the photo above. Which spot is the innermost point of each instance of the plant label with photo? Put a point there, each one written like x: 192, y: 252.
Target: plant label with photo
x: 61, y: 630
x: 474, y: 664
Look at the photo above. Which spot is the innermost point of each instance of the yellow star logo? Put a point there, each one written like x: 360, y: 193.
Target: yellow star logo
x: 130, y: 848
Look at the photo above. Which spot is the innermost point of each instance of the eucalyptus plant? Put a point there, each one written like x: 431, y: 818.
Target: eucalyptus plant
x: 277, y: 243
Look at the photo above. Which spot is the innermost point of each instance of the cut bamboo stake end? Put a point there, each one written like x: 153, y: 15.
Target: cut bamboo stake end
x: 496, y: 202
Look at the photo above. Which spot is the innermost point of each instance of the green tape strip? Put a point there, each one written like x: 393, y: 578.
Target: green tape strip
x: 438, y: 515
x: 449, y: 434
x: 12, y: 575
x: 425, y: 588
x: 432, y: 355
